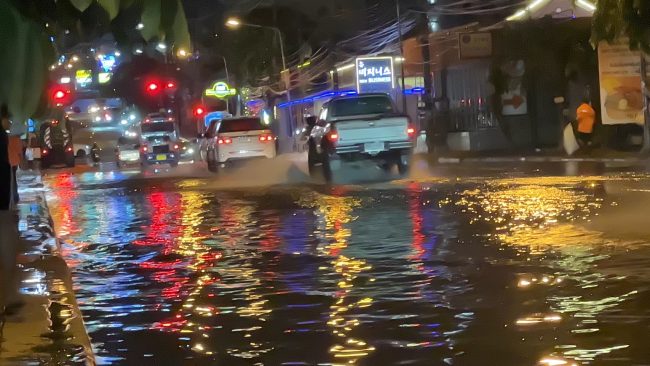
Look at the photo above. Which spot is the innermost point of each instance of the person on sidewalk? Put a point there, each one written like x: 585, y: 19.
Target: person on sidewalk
x: 15, y: 155
x: 9, y: 297
x: 586, y: 117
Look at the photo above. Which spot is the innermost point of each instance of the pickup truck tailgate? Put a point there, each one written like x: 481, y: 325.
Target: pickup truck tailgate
x: 361, y: 130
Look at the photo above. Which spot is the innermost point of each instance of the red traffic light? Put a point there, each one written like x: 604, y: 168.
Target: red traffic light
x: 153, y: 87
x: 60, y: 95
x: 199, y: 111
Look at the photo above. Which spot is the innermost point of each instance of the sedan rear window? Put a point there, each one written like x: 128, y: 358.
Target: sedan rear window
x: 241, y: 125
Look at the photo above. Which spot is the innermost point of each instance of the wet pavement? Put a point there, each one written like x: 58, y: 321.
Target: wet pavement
x: 48, y: 328
x: 458, y: 265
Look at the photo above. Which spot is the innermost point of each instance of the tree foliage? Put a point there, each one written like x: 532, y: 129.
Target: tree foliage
x: 623, y: 18
x: 27, y: 49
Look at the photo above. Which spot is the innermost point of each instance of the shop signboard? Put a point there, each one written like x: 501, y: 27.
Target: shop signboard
x: 474, y: 45
x: 220, y: 90
x: 375, y: 74
x: 621, y: 97
x: 83, y: 78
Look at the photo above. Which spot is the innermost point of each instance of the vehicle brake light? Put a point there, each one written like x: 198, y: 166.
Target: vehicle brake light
x: 147, y: 120
x: 266, y: 138
x: 333, y: 136
x: 68, y: 149
x: 224, y: 140
x: 176, y: 147
x: 410, y: 131
x: 144, y: 149
x: 44, y: 151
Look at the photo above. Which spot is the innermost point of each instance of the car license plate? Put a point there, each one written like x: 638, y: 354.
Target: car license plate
x: 160, y: 157
x: 373, y: 147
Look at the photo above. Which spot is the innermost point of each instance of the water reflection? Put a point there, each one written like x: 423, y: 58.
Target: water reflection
x: 425, y: 273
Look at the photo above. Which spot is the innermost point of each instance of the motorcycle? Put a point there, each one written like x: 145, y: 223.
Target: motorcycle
x: 94, y: 153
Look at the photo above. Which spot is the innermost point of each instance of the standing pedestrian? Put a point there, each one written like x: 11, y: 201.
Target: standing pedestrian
x: 586, y: 117
x: 15, y: 156
x: 9, y: 238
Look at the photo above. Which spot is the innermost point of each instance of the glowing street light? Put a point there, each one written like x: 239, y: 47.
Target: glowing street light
x: 233, y: 23
x: 182, y: 53
x: 140, y: 26
x: 161, y: 46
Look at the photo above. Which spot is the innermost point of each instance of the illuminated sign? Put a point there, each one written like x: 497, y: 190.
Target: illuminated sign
x: 107, y: 62
x: 104, y: 77
x: 83, y: 77
x: 220, y: 90
x: 375, y: 74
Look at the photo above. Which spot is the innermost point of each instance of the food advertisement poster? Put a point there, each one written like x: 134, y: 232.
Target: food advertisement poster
x: 620, y: 83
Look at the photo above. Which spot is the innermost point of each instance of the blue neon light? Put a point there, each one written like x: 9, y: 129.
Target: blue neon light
x: 327, y: 94
x: 413, y: 91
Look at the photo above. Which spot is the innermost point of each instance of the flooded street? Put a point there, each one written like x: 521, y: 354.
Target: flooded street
x: 473, y: 267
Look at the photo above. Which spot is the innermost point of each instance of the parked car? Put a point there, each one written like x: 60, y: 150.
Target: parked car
x: 359, y: 127
x: 236, y: 139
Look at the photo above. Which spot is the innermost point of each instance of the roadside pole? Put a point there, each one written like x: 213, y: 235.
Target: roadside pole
x: 646, y: 104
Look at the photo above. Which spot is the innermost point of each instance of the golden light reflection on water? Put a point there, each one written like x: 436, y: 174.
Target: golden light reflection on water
x: 336, y: 212
x: 544, y: 215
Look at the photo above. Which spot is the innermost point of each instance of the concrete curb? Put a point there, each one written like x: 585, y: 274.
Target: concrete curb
x: 50, y: 327
x: 535, y: 159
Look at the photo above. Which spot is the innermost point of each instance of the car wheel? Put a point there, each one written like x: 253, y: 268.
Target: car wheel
x: 402, y: 167
x: 69, y: 161
x: 212, y: 162
x: 312, y: 160
x: 327, y: 169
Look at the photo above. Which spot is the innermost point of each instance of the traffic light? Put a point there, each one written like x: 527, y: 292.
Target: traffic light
x: 153, y: 87
x: 199, y: 111
x: 60, y: 96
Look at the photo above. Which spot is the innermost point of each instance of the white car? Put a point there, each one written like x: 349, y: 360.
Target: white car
x: 236, y: 139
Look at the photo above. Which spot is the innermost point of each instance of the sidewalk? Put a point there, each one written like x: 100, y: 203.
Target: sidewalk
x: 539, y: 156
x: 49, y: 328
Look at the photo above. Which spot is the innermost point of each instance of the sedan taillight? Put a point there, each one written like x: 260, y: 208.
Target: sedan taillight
x: 267, y: 138
x: 224, y: 140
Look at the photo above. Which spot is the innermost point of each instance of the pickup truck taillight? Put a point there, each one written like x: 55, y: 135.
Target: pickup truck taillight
x: 333, y: 136
x: 410, y: 131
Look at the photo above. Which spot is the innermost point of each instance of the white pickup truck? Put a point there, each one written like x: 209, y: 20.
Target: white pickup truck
x: 359, y: 127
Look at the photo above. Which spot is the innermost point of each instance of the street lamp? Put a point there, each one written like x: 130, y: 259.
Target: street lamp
x: 235, y: 23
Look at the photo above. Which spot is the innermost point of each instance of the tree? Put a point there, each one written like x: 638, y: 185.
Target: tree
x: 627, y: 18
x: 28, y: 31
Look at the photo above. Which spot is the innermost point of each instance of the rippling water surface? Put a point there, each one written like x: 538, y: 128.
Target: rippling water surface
x: 472, y: 272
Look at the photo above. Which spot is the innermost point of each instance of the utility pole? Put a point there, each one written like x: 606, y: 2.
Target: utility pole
x: 645, y: 92
x: 401, y: 51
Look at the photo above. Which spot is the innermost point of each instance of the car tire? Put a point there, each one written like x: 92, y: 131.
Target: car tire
x: 327, y: 168
x: 312, y: 160
x: 70, y: 161
x: 402, y: 167
x: 212, y: 163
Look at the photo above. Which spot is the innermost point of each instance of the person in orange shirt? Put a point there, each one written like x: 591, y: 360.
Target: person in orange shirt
x: 586, y: 117
x: 15, y: 150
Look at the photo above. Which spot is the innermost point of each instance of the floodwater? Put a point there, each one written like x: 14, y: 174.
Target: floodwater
x: 498, y: 269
